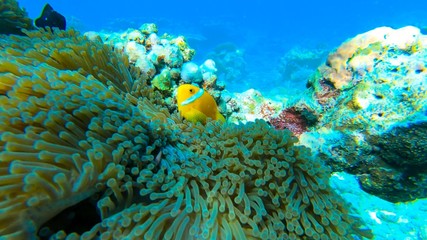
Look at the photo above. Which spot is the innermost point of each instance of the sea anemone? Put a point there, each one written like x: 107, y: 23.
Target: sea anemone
x: 76, y: 119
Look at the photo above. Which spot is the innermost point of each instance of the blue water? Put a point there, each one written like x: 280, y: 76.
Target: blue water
x: 263, y: 31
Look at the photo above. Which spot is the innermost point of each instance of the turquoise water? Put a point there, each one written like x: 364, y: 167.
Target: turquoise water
x: 263, y: 31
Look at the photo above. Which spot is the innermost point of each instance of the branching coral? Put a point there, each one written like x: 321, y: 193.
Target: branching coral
x: 74, y: 121
x: 13, y: 18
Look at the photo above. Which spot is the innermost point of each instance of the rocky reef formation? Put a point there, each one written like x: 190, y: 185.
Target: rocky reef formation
x: 370, y: 101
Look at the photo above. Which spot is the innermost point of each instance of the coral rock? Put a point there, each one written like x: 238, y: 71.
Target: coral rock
x: 370, y: 98
x: 190, y: 73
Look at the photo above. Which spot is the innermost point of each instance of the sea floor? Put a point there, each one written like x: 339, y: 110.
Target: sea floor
x: 388, y: 221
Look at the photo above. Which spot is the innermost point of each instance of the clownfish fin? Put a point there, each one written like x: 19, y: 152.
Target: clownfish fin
x: 195, y: 115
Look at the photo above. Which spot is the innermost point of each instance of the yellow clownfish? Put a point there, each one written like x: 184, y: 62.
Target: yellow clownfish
x: 196, y: 105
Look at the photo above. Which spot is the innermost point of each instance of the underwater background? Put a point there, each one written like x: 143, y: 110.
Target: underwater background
x: 268, y: 53
x: 263, y: 31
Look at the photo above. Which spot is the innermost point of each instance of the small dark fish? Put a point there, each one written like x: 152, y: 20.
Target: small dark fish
x: 50, y: 18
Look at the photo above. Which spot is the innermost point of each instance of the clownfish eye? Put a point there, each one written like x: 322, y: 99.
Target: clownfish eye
x: 191, y: 90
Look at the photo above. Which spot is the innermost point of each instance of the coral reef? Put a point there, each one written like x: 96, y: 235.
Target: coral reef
x: 162, y: 81
x: 290, y: 119
x: 370, y: 100
x: 149, y: 52
x: 78, y: 119
x: 13, y: 18
x: 251, y: 105
x: 164, y: 61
